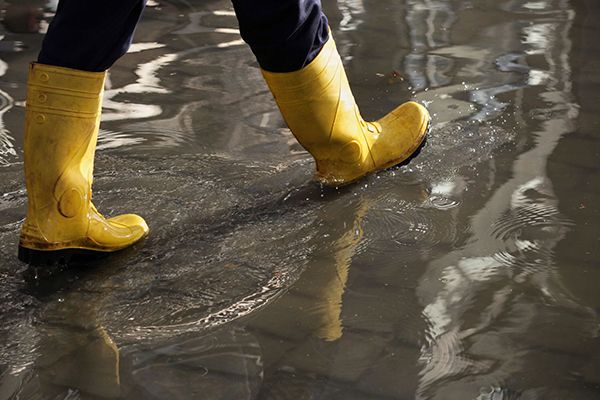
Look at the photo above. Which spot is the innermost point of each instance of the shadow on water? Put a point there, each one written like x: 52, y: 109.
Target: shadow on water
x: 445, y: 278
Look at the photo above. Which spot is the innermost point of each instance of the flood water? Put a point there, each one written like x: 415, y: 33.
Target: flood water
x: 470, y: 273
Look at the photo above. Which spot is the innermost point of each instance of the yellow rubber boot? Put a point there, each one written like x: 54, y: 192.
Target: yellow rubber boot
x: 61, y: 129
x: 319, y: 108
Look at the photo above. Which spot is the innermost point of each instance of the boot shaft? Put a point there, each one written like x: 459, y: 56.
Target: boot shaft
x: 61, y: 129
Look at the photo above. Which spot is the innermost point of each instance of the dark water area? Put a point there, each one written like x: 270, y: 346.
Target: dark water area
x: 470, y: 273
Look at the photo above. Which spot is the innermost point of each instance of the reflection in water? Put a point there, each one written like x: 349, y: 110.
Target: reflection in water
x: 169, y: 132
x: 7, y: 150
x: 349, y: 10
x: 74, y: 354
x: 516, y: 252
x: 430, y: 25
x: 30, y: 17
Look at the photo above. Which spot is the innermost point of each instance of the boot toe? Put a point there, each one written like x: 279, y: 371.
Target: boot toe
x: 403, y: 131
x: 134, y: 224
x: 115, y: 233
x: 412, y: 118
x: 132, y: 221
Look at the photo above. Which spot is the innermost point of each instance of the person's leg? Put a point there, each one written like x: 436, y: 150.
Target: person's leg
x: 304, y: 71
x: 284, y: 35
x: 64, y: 102
x: 90, y: 35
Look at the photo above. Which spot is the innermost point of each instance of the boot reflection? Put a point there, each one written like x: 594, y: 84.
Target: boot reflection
x: 333, y: 278
x: 313, y: 305
x: 84, y: 361
x: 76, y: 353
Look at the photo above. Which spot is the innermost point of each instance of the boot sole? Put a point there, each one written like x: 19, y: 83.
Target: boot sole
x: 59, y: 258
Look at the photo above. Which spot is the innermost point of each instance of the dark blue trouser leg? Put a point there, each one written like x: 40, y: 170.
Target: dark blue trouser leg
x: 91, y: 35
x: 285, y: 35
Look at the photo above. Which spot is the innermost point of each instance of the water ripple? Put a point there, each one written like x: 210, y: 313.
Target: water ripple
x: 532, y: 209
x: 445, y: 359
x: 407, y: 230
x: 224, y: 364
x: 514, y: 223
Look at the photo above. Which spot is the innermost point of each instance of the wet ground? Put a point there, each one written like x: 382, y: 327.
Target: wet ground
x: 470, y: 273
